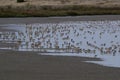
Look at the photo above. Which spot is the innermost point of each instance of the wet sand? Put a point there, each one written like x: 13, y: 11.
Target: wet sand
x: 30, y: 20
x: 29, y: 66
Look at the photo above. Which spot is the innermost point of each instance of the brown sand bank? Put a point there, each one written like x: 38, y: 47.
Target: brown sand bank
x: 46, y: 8
x: 106, y: 3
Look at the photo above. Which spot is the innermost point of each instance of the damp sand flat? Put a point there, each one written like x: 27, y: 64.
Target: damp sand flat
x: 29, y: 66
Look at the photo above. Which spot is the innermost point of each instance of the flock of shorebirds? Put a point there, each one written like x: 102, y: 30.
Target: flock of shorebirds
x: 79, y: 37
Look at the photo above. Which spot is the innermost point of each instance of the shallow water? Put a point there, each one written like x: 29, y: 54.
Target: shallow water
x: 82, y: 37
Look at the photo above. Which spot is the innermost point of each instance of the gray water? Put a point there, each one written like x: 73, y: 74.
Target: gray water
x: 101, y: 37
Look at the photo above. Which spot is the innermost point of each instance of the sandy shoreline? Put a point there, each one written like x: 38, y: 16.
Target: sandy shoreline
x: 30, y: 20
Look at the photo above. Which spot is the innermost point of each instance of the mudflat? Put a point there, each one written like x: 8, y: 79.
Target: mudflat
x: 31, y: 66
